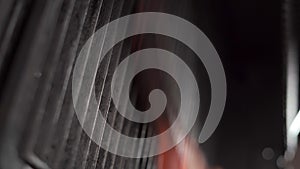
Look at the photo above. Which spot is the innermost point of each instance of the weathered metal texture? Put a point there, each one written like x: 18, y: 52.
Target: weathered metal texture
x: 39, y: 43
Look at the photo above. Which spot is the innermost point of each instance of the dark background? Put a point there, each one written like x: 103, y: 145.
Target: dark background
x: 249, y: 37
